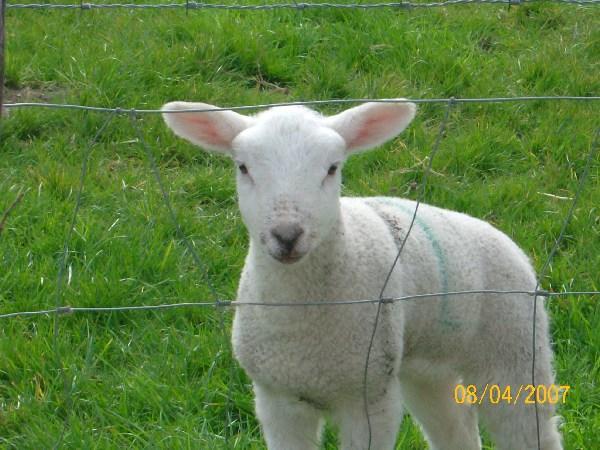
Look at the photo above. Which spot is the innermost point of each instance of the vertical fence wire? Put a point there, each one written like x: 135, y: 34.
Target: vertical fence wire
x: 546, y: 266
x: 200, y: 264
x: 420, y: 197
x: 62, y: 264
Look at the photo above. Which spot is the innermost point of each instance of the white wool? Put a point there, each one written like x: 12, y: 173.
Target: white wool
x: 308, y: 245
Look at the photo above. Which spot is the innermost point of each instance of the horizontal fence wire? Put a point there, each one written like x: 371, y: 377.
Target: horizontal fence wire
x: 241, y: 303
x: 279, y: 6
x: 128, y: 111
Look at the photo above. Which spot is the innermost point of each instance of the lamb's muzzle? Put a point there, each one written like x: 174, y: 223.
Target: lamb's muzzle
x: 287, y: 236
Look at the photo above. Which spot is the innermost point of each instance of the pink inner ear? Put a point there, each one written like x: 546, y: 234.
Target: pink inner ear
x: 207, y: 131
x: 375, y: 128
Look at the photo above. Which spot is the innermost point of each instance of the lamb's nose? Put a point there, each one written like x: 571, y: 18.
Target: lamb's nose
x: 287, y: 235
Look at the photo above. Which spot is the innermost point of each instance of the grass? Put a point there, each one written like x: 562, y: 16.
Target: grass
x: 165, y: 379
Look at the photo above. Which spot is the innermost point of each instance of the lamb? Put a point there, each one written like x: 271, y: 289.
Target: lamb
x: 308, y: 244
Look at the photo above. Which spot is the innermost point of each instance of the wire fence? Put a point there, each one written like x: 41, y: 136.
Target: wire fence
x: 279, y: 6
x: 60, y: 310
x: 67, y: 310
x: 219, y: 304
x: 345, y: 101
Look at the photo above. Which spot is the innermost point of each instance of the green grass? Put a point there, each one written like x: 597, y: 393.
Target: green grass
x: 162, y: 379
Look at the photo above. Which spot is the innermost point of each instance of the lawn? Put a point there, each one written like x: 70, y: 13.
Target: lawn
x: 166, y: 379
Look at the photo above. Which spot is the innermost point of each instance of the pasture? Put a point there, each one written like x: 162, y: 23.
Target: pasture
x: 166, y: 379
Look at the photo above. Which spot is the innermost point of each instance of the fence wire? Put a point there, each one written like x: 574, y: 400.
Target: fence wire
x: 200, y: 264
x: 62, y: 265
x: 220, y: 304
x: 278, y: 6
x: 344, y: 101
x: 546, y: 266
x: 420, y: 197
x: 234, y: 304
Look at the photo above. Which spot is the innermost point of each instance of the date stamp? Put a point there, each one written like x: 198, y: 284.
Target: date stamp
x: 527, y: 394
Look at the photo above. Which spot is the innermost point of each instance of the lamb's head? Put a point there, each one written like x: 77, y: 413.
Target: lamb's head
x: 289, y: 161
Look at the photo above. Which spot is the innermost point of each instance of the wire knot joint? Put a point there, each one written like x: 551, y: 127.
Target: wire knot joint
x: 64, y: 310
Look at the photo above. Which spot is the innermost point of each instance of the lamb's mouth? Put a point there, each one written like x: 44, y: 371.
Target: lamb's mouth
x: 290, y: 258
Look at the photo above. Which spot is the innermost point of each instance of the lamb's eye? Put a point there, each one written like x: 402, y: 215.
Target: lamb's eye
x: 332, y: 169
x: 243, y: 169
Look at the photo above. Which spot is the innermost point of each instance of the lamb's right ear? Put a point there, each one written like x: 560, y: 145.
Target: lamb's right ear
x: 210, y: 130
x: 371, y: 124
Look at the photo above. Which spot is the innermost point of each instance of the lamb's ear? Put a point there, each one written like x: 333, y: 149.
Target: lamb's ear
x: 371, y: 124
x: 210, y: 130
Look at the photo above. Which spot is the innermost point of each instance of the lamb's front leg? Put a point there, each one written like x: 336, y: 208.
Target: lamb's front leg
x: 288, y: 423
x: 385, y: 417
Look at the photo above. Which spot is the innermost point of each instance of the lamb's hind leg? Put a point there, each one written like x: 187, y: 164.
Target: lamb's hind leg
x: 447, y: 425
x: 512, y: 420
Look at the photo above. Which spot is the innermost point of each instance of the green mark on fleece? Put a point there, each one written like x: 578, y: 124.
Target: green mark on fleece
x: 437, y: 250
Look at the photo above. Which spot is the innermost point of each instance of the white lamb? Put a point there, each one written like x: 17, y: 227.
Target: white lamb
x: 308, y: 244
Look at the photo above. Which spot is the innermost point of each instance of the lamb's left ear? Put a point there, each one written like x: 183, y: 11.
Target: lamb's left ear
x: 210, y: 130
x: 371, y: 124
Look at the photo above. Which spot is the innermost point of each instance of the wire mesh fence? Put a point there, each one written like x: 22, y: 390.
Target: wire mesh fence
x: 220, y: 304
x: 60, y: 311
